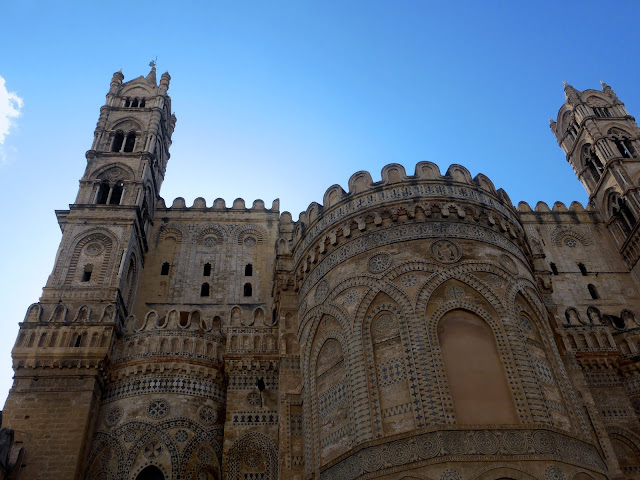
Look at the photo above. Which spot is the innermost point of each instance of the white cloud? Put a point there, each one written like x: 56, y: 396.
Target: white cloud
x: 10, y: 106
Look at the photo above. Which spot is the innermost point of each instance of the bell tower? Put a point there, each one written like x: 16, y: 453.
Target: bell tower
x: 601, y: 141
x: 65, y: 341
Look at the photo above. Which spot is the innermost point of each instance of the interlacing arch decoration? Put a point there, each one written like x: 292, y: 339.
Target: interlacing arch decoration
x: 113, y: 172
x: 253, y: 442
x: 172, y: 229
x: 626, y: 445
x: 107, y: 265
x: 501, y: 471
x: 101, y: 441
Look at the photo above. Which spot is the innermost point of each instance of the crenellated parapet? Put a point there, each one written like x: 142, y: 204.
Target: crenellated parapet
x: 451, y: 205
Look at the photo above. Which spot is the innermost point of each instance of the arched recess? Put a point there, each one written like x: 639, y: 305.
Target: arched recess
x: 503, y: 471
x: 150, y: 473
x: 542, y: 363
x: 328, y: 404
x: 130, y: 280
x: 477, y: 381
x: 253, y: 455
x: 105, y: 457
x: 95, y: 247
x: 626, y: 446
x: 389, y: 369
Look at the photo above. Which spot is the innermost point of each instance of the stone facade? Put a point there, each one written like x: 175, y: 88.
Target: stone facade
x: 419, y: 327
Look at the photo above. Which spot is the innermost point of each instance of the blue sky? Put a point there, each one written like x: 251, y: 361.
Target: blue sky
x: 282, y: 99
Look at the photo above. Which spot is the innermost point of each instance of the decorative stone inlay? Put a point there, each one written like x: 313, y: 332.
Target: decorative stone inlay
x: 208, y: 415
x: 553, y: 473
x: 158, y: 409
x: 114, y: 415
x: 205, y: 454
x: 570, y: 242
x: 250, y: 242
x: 153, y: 449
x: 252, y: 458
x: 450, y: 474
x: 445, y: 251
x: 181, y: 436
x: 455, y: 292
x: 130, y: 435
x: 396, y: 234
x: 379, y: 262
x: 351, y: 297
x: 511, y: 444
x: 409, y: 280
x: 253, y: 399
x: 210, y: 241
x: 321, y: 291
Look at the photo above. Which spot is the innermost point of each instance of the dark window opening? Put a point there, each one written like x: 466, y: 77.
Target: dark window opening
x: 86, y: 275
x: 617, y: 322
x: 117, y: 142
x: 103, y: 193
x: 583, y: 269
x: 184, y: 319
x: 165, y: 268
x: 78, y: 341
x: 116, y: 194
x: 593, y: 292
x: 207, y: 270
x: 150, y: 473
x: 248, y: 270
x: 204, y: 290
x: 621, y: 148
x: 247, y: 290
x: 629, y: 147
x: 134, y: 103
x: 127, y: 102
x: 131, y: 141
x: 142, y: 102
x: 274, y: 316
x: 554, y: 269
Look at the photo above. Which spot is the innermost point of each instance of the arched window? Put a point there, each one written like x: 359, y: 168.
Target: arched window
x: 142, y: 103
x: 165, y: 268
x: 150, y: 473
x: 247, y: 290
x: 204, y: 290
x: 103, y: 193
x: 583, y: 269
x: 593, y: 292
x: 477, y: 381
x: 621, y: 212
x: 86, y: 275
x: 116, y: 194
x: 134, y: 103
x: 127, y: 102
x: 117, y: 141
x: 592, y: 162
x: 130, y: 143
x: 207, y: 270
x: 248, y: 270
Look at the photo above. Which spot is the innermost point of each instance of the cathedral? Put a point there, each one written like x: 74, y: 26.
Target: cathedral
x: 419, y: 327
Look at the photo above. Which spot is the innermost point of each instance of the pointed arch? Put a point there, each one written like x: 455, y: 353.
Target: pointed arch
x: 263, y: 454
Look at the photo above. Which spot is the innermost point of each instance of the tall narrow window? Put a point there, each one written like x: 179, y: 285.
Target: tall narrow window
x: 248, y: 270
x: 204, y: 290
x: 78, y: 341
x: 117, y: 141
x: 116, y: 194
x: 86, y: 275
x: 476, y: 377
x: 142, y: 102
x: 127, y: 102
x: 247, y: 290
x: 103, y: 193
x: 583, y: 269
x: 130, y: 143
x: 134, y: 103
x: 593, y: 292
x: 554, y: 269
x: 165, y: 268
x: 207, y: 270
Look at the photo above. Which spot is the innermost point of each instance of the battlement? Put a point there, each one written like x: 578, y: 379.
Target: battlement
x: 219, y: 205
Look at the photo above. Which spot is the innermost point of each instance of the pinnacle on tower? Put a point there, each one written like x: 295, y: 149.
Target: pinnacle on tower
x: 571, y: 94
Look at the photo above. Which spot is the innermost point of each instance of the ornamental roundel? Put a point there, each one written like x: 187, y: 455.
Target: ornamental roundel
x: 351, y: 297
x: 379, y: 262
x: 158, y: 409
x: 455, y: 292
x: 94, y: 248
x: 321, y: 291
x: 205, y: 454
x: 253, y: 399
x: 130, y: 435
x: 208, y: 415
x: 153, y: 449
x: 409, y: 280
x: 249, y: 242
x: 252, y: 458
x: 113, y: 415
x: 445, y: 251
x: 554, y: 473
x: 570, y: 242
x: 181, y: 436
